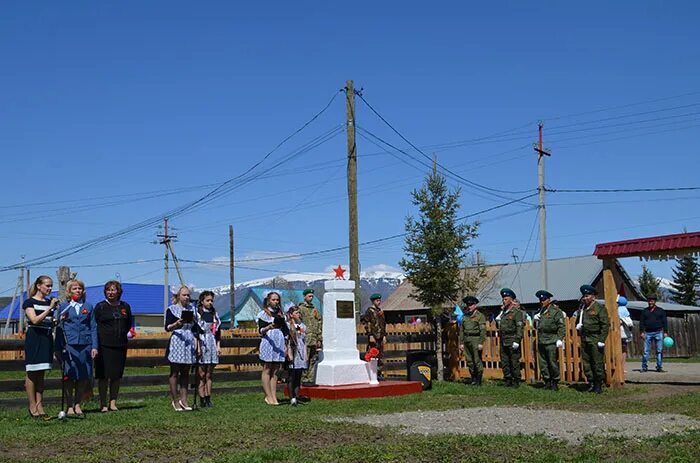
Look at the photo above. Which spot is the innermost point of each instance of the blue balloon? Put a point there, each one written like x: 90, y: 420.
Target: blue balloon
x: 621, y: 300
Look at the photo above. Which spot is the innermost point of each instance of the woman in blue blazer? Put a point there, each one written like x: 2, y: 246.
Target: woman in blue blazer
x: 76, y: 342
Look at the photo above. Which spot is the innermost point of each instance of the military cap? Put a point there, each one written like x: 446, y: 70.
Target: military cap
x: 652, y: 296
x: 375, y: 296
x: 470, y: 300
x: 308, y: 291
x: 507, y: 292
x: 587, y: 289
x: 543, y: 295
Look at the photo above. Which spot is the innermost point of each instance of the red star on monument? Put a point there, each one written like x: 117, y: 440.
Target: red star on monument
x: 339, y: 273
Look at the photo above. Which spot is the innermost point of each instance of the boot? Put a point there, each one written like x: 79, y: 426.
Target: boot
x: 507, y: 382
x: 598, y: 388
x: 516, y: 383
x: 547, y: 384
x: 475, y: 378
x: 479, y: 376
x: 591, y: 387
x: 202, y: 402
x: 208, y: 401
x: 555, y: 385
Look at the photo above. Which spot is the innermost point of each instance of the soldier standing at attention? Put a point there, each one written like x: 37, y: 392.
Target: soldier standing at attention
x: 472, y: 336
x: 375, y: 327
x: 314, y: 334
x: 510, y: 329
x: 551, y: 330
x: 592, y: 326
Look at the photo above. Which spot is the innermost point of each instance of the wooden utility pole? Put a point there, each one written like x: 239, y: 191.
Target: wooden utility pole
x: 352, y: 194
x: 541, y: 153
x: 64, y: 277
x: 232, y: 287
x: 165, y: 240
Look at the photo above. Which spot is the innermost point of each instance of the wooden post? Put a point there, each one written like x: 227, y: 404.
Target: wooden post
x: 353, y: 241
x: 614, y: 371
x: 232, y: 288
x: 454, y: 358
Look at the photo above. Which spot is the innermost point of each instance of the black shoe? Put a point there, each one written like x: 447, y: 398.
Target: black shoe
x: 479, y: 377
x: 555, y: 385
x: 516, y: 383
x: 598, y: 388
x: 202, y: 402
x: 644, y: 370
x: 660, y: 370
x: 547, y: 384
x: 507, y: 383
x: 208, y: 401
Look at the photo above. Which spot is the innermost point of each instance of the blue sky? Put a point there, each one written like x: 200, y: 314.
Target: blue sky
x: 112, y: 113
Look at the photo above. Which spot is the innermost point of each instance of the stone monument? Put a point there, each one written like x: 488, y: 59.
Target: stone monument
x: 341, y: 362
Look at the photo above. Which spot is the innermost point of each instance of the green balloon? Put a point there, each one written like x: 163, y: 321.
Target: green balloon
x: 668, y: 341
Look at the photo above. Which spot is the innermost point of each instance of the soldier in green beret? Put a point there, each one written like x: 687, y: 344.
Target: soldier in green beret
x: 510, y: 329
x: 472, y: 336
x: 551, y: 329
x: 593, y: 328
x: 375, y: 327
x: 314, y: 334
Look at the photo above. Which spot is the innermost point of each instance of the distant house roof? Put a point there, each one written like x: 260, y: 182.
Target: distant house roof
x: 252, y: 302
x: 656, y: 246
x: 667, y: 306
x: 144, y: 299
x: 566, y: 275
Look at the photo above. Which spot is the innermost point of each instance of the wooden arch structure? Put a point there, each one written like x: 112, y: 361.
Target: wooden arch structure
x: 654, y: 248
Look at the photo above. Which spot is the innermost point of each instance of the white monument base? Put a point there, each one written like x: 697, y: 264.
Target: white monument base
x: 341, y: 362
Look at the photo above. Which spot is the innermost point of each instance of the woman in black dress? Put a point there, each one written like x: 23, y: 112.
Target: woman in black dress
x: 38, y: 345
x: 113, y: 318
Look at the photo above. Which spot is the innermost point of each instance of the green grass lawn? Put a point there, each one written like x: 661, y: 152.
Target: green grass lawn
x: 242, y: 428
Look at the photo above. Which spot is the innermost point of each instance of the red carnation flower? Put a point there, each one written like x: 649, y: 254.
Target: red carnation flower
x: 372, y: 353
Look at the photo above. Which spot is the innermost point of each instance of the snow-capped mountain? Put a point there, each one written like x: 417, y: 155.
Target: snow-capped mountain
x: 383, y: 282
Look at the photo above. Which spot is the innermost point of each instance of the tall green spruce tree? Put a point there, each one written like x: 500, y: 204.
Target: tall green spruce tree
x: 436, y: 247
x: 686, y: 281
x: 648, y: 283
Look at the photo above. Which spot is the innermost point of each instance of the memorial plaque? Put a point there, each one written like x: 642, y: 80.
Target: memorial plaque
x: 345, y: 309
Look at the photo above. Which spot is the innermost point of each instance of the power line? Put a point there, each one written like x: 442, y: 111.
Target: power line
x: 621, y: 190
x: 378, y: 240
x: 216, y: 192
x: 475, y: 184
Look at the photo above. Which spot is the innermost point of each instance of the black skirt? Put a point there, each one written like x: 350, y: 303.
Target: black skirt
x: 38, y: 349
x: 110, y: 362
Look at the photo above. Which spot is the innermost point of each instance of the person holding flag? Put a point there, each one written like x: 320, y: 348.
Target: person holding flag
x: 472, y: 335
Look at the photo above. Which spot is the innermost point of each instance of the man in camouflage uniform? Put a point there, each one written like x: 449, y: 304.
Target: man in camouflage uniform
x: 510, y: 329
x: 592, y: 325
x: 314, y: 334
x: 551, y: 330
x: 472, y: 336
x: 375, y: 327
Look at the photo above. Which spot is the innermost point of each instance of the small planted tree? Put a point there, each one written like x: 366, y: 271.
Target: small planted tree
x: 436, y: 247
x: 648, y: 283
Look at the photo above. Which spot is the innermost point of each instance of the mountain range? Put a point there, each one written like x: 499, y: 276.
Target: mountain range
x: 382, y: 282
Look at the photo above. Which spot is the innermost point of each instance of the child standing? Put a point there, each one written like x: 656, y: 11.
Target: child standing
x: 296, y: 352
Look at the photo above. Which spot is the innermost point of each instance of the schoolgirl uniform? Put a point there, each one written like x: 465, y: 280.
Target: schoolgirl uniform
x: 182, y: 345
x: 77, y: 333
x: 209, y: 334
x: 298, y: 347
x: 38, y: 344
x: 272, y: 343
